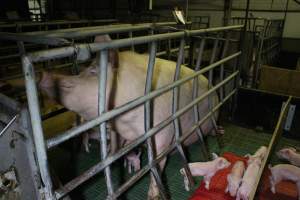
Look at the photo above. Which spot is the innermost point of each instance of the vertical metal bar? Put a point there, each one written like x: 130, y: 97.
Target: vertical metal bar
x: 210, y: 83
x: 36, y: 123
x: 175, y: 105
x: 259, y: 54
x: 101, y: 109
x: 131, y: 36
x: 222, y: 65
x: 195, y: 95
x: 148, y: 119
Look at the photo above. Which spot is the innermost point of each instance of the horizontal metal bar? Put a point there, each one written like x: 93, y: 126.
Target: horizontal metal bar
x: 24, y: 24
x: 276, y: 134
x: 215, y: 38
x: 111, y: 114
x: 98, y: 30
x: 36, y: 39
x: 94, y: 47
x: 123, y: 151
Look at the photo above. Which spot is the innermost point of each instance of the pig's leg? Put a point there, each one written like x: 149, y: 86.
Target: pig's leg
x: 207, y: 179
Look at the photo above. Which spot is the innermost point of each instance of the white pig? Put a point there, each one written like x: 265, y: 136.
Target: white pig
x: 248, y: 180
x: 205, y: 169
x: 259, y: 154
x: 290, y: 154
x: 283, y: 172
x: 124, y: 84
x: 235, y: 177
x: 132, y: 161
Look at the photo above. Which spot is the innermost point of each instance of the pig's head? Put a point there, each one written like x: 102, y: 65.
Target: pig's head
x: 221, y: 162
x: 286, y: 153
x: 233, y: 185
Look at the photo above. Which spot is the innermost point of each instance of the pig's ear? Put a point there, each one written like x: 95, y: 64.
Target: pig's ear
x: 102, y: 38
x: 214, y: 156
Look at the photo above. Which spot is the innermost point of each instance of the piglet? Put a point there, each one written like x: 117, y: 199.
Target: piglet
x: 206, y: 169
x: 259, y: 154
x: 248, y: 180
x: 283, y: 172
x: 235, y: 177
x: 290, y: 154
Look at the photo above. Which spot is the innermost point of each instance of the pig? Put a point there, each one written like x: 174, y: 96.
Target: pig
x: 289, y: 154
x: 235, y: 177
x: 283, y: 172
x: 206, y: 169
x: 259, y: 154
x: 125, y: 83
x: 248, y: 180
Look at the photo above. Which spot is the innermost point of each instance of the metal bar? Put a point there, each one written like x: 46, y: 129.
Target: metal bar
x: 56, y: 22
x: 36, y: 123
x: 175, y: 105
x: 123, y: 151
x: 102, y: 77
x: 109, y: 115
x: 210, y: 79
x: 195, y: 95
x: 9, y: 124
x: 98, y: 30
x: 274, y: 140
x: 94, y: 47
x: 148, y: 122
x: 222, y: 65
x: 36, y: 39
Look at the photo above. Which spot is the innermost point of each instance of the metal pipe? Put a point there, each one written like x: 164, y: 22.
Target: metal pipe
x: 36, y: 123
x: 148, y: 122
x: 109, y: 115
x: 36, y: 39
x: 175, y: 105
x: 95, y: 47
x: 102, y: 81
x: 195, y: 95
x: 123, y: 151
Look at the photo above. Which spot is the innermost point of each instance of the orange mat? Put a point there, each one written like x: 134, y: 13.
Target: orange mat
x: 285, y: 190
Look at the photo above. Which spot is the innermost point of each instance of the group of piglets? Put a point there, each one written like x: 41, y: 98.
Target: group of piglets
x: 240, y: 180
x: 286, y: 172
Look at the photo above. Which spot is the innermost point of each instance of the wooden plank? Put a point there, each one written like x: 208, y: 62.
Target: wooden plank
x: 280, y: 80
x: 276, y: 135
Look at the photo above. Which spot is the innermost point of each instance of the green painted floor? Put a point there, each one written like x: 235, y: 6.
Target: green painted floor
x: 236, y: 139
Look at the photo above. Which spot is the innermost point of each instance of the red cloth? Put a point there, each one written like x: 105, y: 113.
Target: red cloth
x: 218, y: 182
x: 285, y: 190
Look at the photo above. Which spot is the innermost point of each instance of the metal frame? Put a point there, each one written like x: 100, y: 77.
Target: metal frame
x: 42, y: 145
x: 67, y: 36
x: 267, y: 35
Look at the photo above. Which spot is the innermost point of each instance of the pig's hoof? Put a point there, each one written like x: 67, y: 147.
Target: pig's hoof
x: 185, y: 180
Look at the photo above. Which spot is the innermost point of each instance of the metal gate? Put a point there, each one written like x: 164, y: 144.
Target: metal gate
x: 43, y: 145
